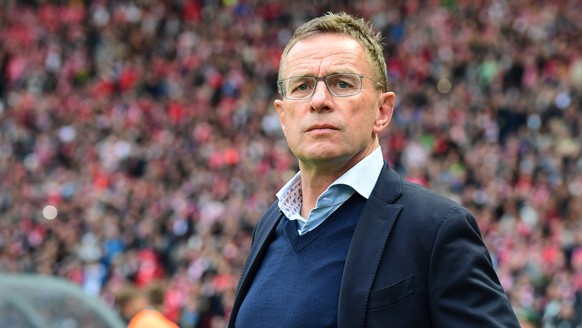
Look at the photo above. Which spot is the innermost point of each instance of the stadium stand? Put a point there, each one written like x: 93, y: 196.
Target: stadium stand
x: 138, y: 142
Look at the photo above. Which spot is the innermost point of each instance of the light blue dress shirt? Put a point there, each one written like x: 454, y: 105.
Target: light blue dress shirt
x: 361, y: 179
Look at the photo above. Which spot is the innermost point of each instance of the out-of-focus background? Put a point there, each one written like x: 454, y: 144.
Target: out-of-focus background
x: 139, y: 144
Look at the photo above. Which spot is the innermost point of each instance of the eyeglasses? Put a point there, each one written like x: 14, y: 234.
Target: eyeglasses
x: 339, y: 85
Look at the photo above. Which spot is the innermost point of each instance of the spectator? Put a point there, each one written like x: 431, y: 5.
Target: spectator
x: 143, y: 308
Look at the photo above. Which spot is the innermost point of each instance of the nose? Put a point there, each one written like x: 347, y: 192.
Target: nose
x: 320, y: 98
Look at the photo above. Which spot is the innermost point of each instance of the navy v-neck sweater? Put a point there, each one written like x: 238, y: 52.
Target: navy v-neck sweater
x: 298, y: 283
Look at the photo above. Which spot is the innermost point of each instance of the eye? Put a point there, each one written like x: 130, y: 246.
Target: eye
x: 342, y: 81
x: 342, y: 84
x: 302, y: 87
x: 299, y: 85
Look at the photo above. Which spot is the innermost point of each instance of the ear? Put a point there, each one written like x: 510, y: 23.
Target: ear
x: 280, y: 112
x: 386, y: 104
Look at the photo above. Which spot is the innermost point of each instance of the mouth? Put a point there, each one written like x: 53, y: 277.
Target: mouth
x: 321, y: 127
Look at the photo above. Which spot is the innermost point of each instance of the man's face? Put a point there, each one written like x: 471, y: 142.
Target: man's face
x: 325, y: 129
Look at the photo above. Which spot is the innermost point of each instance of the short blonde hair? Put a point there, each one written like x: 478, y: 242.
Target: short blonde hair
x: 356, y: 28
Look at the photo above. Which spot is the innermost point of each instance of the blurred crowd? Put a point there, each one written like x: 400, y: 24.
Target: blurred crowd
x: 139, y: 145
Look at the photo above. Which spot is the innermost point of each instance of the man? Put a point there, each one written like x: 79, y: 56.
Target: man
x: 349, y: 242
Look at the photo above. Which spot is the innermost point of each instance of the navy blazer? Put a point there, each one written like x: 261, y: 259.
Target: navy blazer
x: 416, y: 259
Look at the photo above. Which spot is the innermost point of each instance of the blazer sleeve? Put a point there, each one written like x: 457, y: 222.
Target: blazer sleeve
x: 464, y: 288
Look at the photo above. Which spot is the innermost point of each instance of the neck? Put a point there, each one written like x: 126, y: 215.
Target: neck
x: 317, y: 177
x: 312, y: 186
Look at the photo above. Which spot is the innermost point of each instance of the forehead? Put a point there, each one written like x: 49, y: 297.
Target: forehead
x: 324, y: 54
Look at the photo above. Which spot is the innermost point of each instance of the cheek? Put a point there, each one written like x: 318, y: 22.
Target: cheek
x: 289, y: 127
x: 291, y: 120
x: 292, y: 134
x: 364, y: 122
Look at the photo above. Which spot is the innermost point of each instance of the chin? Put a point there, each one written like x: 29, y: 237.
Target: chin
x: 323, y: 155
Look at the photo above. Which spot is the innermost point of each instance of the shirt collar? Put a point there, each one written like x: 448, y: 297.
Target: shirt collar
x: 362, y: 177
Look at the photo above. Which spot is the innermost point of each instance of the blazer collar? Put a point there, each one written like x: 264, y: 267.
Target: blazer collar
x: 263, y: 232
x: 389, y: 185
x: 367, y: 246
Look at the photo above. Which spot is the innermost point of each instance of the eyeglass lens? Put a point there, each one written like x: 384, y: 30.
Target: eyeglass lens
x: 341, y: 85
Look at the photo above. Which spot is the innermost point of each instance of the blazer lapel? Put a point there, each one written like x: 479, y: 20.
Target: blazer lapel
x: 262, y: 234
x: 366, y: 248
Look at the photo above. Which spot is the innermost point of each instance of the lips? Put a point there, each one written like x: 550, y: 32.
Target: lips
x: 321, y: 127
